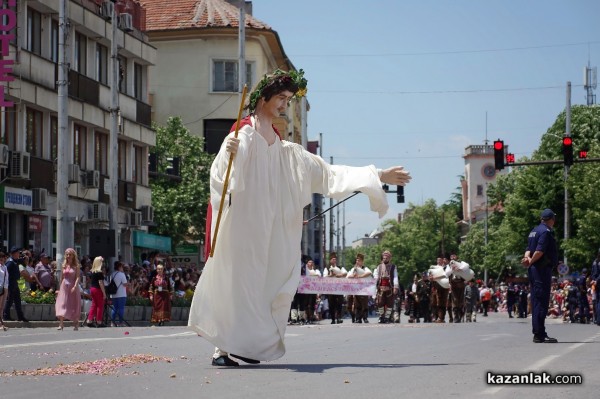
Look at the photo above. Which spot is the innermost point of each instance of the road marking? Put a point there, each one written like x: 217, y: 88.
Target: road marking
x: 82, y: 340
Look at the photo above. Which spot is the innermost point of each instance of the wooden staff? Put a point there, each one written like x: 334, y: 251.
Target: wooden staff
x: 226, y: 183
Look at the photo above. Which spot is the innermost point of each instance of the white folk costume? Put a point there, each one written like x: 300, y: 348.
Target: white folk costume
x: 242, y: 300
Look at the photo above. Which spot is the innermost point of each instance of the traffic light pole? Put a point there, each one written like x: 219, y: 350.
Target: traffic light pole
x: 567, y: 167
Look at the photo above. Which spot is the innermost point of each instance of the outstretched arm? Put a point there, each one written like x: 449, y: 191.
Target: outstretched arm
x: 395, y: 175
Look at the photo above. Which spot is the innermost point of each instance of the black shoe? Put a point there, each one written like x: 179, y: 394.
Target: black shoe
x: 224, y: 361
x: 365, y: 320
x: 91, y: 324
x: 24, y: 320
x: 546, y: 339
x: 333, y: 321
x: 101, y: 325
x: 340, y: 321
x: 358, y: 321
x: 245, y: 359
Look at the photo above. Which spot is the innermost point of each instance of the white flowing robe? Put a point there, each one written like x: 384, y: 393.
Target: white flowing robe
x: 242, y: 300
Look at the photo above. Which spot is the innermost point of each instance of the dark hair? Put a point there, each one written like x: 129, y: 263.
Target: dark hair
x: 278, y: 85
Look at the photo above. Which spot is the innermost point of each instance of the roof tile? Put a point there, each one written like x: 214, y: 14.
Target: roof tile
x: 186, y: 14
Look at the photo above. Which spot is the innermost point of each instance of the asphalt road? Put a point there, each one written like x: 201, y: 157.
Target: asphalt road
x: 322, y: 361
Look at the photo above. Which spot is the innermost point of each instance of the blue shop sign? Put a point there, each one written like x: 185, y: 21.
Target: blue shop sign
x: 16, y: 198
x: 152, y: 241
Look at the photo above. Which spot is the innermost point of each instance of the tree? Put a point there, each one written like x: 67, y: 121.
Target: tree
x: 520, y: 196
x: 180, y: 202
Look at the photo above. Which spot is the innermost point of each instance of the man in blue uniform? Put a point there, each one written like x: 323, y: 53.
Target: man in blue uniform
x: 540, y: 257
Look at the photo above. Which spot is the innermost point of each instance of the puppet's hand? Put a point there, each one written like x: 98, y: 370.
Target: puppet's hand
x: 395, y: 175
x: 232, y: 144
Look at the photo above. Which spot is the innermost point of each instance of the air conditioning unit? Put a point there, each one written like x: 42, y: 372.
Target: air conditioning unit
x: 126, y: 22
x: 39, y: 199
x: 91, y: 179
x: 106, y: 10
x: 135, y: 218
x: 74, y: 173
x: 147, y: 214
x: 19, y: 165
x: 98, y: 211
x: 4, y: 155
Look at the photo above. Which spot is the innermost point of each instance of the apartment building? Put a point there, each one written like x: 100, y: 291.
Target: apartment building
x: 29, y: 121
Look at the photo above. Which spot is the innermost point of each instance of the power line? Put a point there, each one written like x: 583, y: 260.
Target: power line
x: 443, y: 91
x: 449, y: 52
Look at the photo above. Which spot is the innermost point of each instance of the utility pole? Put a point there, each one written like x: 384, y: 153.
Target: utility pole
x: 242, y: 47
x: 62, y: 182
x: 113, y: 154
x: 566, y: 173
x: 331, y: 219
x: 323, y: 249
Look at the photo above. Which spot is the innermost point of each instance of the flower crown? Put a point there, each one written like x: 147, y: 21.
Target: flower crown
x: 291, y: 78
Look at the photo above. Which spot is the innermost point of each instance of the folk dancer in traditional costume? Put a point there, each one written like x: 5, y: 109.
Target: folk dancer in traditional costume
x: 442, y: 285
x: 336, y: 302
x: 387, y: 286
x: 361, y: 302
x: 242, y: 300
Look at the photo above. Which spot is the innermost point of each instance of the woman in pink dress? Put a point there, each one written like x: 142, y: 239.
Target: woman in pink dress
x: 68, y: 300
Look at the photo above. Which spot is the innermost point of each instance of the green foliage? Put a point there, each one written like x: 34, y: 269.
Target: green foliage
x: 180, y: 206
x: 182, y: 302
x: 520, y: 196
x: 38, y: 297
x: 137, y: 301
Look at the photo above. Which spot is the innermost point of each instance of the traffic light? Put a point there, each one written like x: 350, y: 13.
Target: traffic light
x: 510, y: 158
x: 567, y: 149
x: 400, y: 194
x: 583, y: 154
x: 499, y: 154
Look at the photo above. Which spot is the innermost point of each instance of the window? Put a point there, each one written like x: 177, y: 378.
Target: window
x: 79, y: 145
x: 33, y: 134
x: 479, y: 190
x: 138, y: 71
x: 122, y: 162
x: 215, y: 131
x: 225, y: 76
x: 34, y: 31
x: 9, y: 128
x: 54, y: 41
x: 122, y: 75
x: 53, y: 138
x: 80, y: 61
x: 101, y: 152
x: 101, y: 63
x: 138, y: 165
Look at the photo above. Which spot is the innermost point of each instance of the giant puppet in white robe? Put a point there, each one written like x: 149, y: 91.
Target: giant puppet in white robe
x: 242, y: 300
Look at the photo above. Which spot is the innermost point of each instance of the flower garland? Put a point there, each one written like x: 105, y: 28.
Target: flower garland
x: 296, y: 77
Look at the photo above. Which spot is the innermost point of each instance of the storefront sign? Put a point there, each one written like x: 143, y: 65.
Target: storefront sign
x: 15, y: 198
x: 35, y: 224
x: 151, y: 241
x: 8, y: 22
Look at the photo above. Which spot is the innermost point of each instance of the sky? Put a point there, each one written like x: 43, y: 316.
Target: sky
x: 412, y: 83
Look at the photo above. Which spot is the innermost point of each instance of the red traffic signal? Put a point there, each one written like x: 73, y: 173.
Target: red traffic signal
x: 499, y: 154
x: 567, y: 149
x: 510, y: 158
x: 582, y: 154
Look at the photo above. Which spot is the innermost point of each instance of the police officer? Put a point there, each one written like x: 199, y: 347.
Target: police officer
x: 582, y: 298
x: 572, y: 297
x: 540, y: 257
x: 14, y: 295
